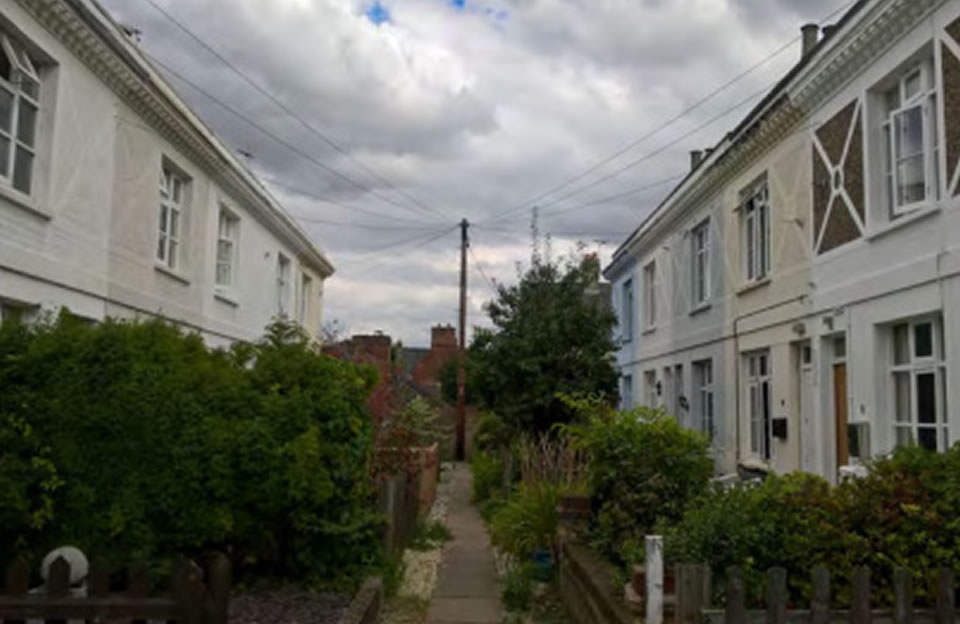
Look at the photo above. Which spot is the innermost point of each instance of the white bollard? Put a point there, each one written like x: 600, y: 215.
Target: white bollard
x: 654, y: 577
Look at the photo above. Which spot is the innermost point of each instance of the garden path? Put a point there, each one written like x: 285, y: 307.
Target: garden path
x: 467, y: 591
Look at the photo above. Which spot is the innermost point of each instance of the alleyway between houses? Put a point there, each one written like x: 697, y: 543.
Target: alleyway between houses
x: 467, y: 589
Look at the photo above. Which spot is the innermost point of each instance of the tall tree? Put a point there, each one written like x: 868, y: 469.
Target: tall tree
x: 552, y: 334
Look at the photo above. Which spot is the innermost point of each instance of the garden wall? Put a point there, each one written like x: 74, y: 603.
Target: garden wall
x: 586, y: 588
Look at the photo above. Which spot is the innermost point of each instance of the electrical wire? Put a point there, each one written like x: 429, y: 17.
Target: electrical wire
x: 649, y: 155
x: 671, y: 121
x: 292, y: 114
x: 257, y: 126
x: 483, y: 274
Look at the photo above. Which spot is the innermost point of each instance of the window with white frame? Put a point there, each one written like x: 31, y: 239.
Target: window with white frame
x: 650, y: 295
x: 626, y: 392
x: 755, y: 227
x: 650, y: 388
x: 626, y: 311
x: 757, y: 367
x: 306, y: 296
x: 172, y: 203
x: 19, y: 106
x: 283, y: 284
x: 919, y: 383
x: 910, y: 139
x: 703, y: 397
x: 700, y: 263
x: 228, y: 230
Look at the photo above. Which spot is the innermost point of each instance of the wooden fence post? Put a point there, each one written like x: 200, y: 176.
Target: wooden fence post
x: 17, y: 583
x: 98, y: 579
x: 776, y: 596
x: 218, y: 588
x: 945, y: 597
x: 654, y: 575
x: 691, y: 593
x: 820, y: 602
x: 860, y: 610
x: 736, y: 612
x: 188, y: 591
x: 902, y: 596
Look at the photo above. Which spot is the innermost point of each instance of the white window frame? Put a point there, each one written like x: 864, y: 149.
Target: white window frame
x: 704, y: 398
x: 227, y: 251
x: 24, y: 76
x: 173, y: 191
x: 755, y: 227
x: 700, y: 264
x: 650, y: 295
x: 284, y: 269
x: 626, y: 310
x: 925, y: 99
x: 758, y: 375
x: 912, y: 369
x: 305, y: 304
x: 650, y: 388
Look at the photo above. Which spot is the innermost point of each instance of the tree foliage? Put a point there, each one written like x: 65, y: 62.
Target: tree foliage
x: 551, y: 334
x: 135, y: 441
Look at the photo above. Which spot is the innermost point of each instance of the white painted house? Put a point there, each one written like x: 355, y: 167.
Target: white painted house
x: 797, y: 297
x: 117, y: 201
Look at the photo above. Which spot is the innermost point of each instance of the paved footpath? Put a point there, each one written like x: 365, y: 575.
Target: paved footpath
x: 467, y: 589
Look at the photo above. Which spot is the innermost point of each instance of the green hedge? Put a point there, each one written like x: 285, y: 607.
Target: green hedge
x: 135, y: 441
x: 644, y: 468
x: 906, y: 512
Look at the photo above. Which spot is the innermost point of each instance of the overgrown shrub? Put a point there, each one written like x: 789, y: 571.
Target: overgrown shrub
x: 528, y: 520
x: 644, y: 467
x: 517, y: 591
x: 487, y: 476
x: 135, y: 441
x: 905, y: 512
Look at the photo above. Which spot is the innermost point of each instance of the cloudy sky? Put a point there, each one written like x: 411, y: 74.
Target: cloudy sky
x: 400, y: 117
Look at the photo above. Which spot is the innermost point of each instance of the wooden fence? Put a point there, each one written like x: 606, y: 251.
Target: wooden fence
x: 693, y: 594
x: 193, y: 599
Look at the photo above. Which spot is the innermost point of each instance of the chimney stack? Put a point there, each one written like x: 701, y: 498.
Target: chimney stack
x: 696, y: 157
x: 829, y: 30
x: 811, y: 36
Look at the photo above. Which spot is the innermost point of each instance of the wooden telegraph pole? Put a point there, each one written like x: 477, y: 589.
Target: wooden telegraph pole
x: 462, y: 352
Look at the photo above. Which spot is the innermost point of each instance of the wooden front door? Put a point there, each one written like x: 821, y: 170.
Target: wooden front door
x: 840, y: 412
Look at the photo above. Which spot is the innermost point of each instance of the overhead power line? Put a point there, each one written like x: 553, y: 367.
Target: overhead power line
x: 419, y: 242
x: 483, y: 273
x: 304, y: 192
x: 292, y: 114
x: 671, y: 121
x: 266, y: 132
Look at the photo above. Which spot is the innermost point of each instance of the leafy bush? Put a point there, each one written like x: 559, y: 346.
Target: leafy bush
x: 644, y: 467
x: 487, y: 476
x: 905, y: 512
x: 492, y: 433
x: 430, y: 535
x: 135, y: 441
x: 528, y: 520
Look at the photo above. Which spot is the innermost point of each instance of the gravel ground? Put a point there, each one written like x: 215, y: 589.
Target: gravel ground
x: 287, y: 606
x: 420, y: 570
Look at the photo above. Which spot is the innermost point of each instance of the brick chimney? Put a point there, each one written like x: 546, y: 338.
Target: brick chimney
x: 810, y: 37
x: 696, y: 157
x: 443, y: 337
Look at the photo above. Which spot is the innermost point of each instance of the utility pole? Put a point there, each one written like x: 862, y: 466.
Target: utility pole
x: 462, y: 351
